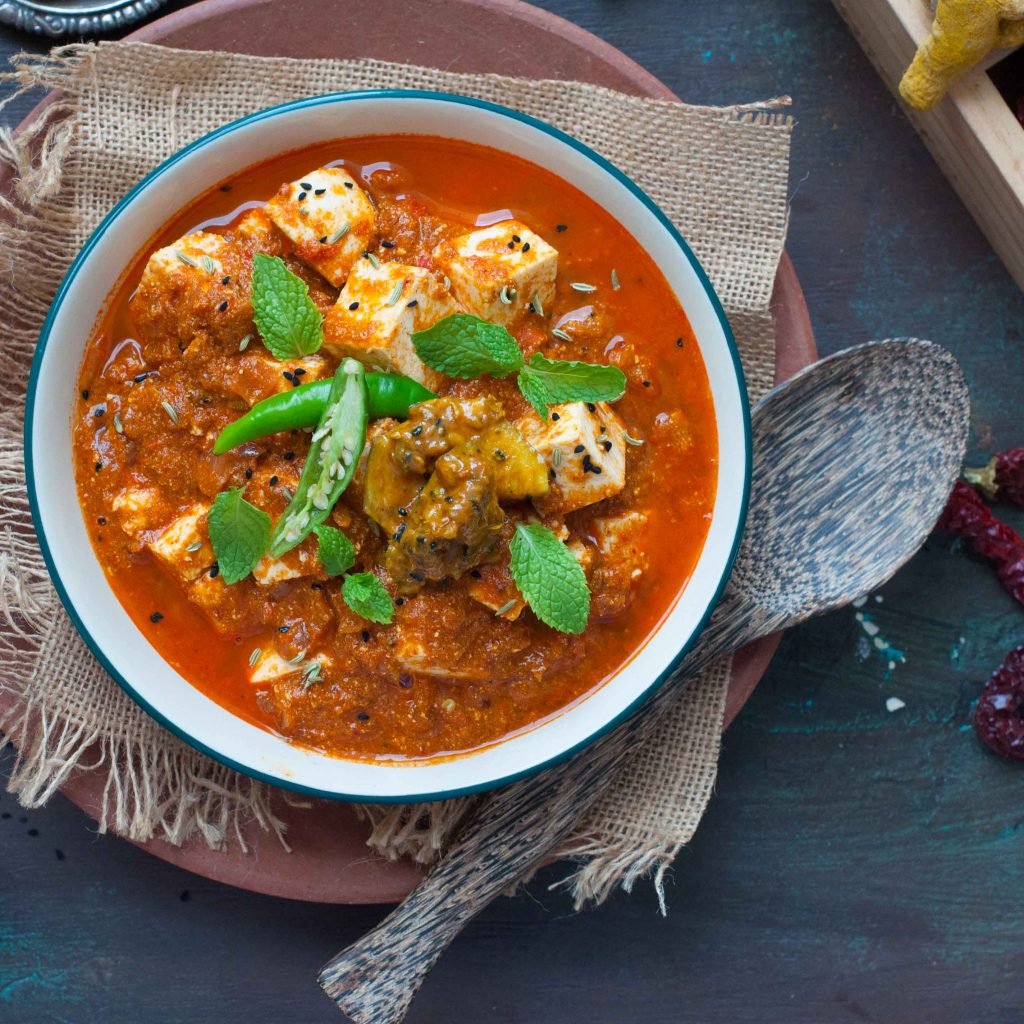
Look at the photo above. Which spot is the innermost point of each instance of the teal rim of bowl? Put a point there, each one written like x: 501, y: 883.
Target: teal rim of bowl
x: 356, y: 97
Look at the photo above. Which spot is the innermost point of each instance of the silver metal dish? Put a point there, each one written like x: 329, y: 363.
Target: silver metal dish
x: 75, y: 17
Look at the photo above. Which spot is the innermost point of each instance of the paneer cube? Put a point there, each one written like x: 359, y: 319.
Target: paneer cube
x: 184, y: 547
x: 270, y: 666
x: 621, y: 538
x: 198, y: 284
x: 377, y: 312
x: 257, y: 229
x: 329, y: 219
x: 414, y: 655
x: 583, y: 553
x: 583, y: 444
x: 493, y: 587
x: 139, y: 509
x: 184, y: 550
x: 255, y: 374
x: 496, y: 272
x: 294, y: 565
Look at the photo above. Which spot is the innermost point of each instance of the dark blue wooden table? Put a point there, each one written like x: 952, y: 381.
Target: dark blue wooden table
x: 855, y: 864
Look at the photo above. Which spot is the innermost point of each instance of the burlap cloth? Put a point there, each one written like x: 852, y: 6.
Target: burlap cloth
x: 719, y: 174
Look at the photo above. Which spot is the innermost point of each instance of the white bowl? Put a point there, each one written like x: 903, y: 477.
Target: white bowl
x: 81, y: 583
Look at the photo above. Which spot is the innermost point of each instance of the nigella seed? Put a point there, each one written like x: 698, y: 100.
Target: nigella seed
x: 403, y: 512
x: 412, y: 302
x: 607, y: 446
x: 398, y: 533
x: 323, y: 239
x: 366, y: 636
x: 288, y: 456
x: 222, y: 308
x: 99, y: 466
x: 288, y: 375
x: 579, y: 448
x: 476, y: 574
x: 99, y: 411
x: 416, y: 431
x: 647, y: 383
x: 248, y: 472
x: 591, y: 407
x: 214, y: 571
x: 679, y: 342
x: 555, y: 416
x: 387, y: 245
x: 362, y: 715
x: 561, y: 227
x: 511, y: 245
x: 526, y: 247
x: 226, y: 279
x: 516, y: 238
x: 596, y: 470
x: 316, y: 586
x: 273, y: 481
x: 85, y: 395
x: 156, y: 617
x: 299, y: 371
x: 404, y: 680
x: 283, y: 629
x: 319, y: 191
x: 349, y: 184
x: 353, y: 305
x: 306, y: 185
x: 102, y: 520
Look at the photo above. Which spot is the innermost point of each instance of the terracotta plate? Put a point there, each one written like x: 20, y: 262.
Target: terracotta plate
x: 330, y: 862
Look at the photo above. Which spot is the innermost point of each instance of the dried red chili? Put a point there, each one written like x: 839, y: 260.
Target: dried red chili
x: 967, y: 516
x: 1002, y: 479
x: 999, y: 716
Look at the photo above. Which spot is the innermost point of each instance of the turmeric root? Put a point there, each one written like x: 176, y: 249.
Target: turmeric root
x: 962, y: 33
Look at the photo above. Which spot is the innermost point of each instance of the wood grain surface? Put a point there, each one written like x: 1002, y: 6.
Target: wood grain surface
x: 854, y: 865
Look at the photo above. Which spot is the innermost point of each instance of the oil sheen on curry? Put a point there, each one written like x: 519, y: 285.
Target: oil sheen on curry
x: 395, y: 445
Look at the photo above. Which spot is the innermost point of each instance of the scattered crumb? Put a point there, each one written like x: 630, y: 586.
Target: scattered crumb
x: 860, y: 602
x: 894, y: 704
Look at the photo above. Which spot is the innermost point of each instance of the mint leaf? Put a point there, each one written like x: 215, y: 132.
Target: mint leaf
x: 366, y: 596
x: 549, y: 578
x: 239, y: 533
x: 545, y: 382
x: 334, y: 550
x: 287, y: 318
x: 464, y: 346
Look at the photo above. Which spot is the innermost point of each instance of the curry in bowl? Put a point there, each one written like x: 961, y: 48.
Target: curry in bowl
x: 395, y: 445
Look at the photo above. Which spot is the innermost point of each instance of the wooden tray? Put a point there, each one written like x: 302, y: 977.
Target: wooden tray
x: 330, y: 862
x: 973, y: 134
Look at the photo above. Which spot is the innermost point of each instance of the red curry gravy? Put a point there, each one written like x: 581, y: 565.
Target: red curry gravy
x: 367, y: 704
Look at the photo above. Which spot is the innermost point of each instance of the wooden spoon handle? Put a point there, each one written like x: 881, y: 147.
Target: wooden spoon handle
x: 374, y: 980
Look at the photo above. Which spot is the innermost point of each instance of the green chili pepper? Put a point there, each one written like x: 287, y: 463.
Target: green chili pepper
x: 334, y: 451
x: 389, y: 394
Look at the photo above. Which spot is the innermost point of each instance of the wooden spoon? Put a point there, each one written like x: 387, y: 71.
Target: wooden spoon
x: 853, y: 460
